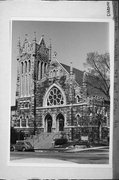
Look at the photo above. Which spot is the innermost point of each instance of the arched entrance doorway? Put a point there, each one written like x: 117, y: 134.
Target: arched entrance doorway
x: 48, y: 120
x: 60, y: 122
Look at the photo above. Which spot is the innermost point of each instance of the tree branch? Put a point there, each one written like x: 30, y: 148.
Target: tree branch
x: 105, y: 83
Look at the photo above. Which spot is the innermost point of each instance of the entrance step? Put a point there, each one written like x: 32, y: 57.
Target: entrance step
x: 43, y: 140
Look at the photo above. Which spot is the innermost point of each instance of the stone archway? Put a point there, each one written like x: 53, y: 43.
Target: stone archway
x: 60, y: 122
x: 48, y: 123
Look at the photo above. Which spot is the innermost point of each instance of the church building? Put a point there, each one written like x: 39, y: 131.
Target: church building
x: 53, y: 97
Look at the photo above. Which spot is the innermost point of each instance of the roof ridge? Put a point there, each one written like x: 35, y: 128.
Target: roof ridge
x: 73, y: 67
x: 61, y: 65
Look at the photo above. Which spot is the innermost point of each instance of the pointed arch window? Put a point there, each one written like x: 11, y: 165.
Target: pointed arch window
x: 78, y: 119
x: 45, y: 67
x: 78, y: 98
x: 41, y: 71
x: 27, y: 120
x: 22, y: 66
x: 17, y: 123
x: 23, y: 122
x: 55, y: 97
x: 29, y: 65
x: 38, y: 70
x: 25, y: 67
x: 54, y: 73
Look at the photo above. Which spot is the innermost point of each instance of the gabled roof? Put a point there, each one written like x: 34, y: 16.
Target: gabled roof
x: 77, y: 72
x: 93, y: 84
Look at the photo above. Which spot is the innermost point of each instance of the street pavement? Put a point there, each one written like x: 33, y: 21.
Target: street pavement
x: 89, y: 156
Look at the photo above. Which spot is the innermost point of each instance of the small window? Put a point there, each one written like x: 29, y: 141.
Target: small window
x: 26, y: 105
x: 78, y: 99
x: 17, y: 123
x: 21, y: 105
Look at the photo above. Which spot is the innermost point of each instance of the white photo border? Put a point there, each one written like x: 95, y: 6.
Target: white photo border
x: 98, y: 168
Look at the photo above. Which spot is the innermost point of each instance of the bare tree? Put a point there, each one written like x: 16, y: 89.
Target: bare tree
x: 98, y: 69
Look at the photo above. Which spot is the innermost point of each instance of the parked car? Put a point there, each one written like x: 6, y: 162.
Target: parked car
x: 60, y: 141
x: 11, y: 147
x: 22, y: 145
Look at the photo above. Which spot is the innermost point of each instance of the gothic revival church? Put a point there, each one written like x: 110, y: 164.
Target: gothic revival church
x: 52, y: 96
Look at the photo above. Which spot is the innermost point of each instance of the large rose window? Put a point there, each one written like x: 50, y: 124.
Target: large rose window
x: 55, y: 97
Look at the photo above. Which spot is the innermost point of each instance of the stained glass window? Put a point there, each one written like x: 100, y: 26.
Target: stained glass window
x: 55, y: 97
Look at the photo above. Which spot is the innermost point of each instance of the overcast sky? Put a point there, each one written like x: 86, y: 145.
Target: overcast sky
x: 71, y: 40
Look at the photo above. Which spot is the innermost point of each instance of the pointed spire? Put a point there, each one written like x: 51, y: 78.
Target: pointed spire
x: 50, y: 51
x: 55, y: 54
x: 71, y: 68
x: 19, y: 45
x: 42, y: 40
x: 34, y: 37
x: 26, y: 37
x: 19, y: 42
x: 34, y: 44
x: 71, y: 74
x: 42, y: 36
x: 84, y: 77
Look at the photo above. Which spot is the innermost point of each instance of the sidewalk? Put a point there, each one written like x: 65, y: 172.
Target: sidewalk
x: 73, y: 149
x: 85, y: 149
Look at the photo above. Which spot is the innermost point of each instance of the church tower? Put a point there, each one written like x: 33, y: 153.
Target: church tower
x: 32, y: 63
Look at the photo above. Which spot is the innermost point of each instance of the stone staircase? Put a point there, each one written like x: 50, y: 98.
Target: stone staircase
x: 43, y: 140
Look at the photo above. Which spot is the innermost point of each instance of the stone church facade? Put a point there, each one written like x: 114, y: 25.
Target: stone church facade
x: 54, y: 97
